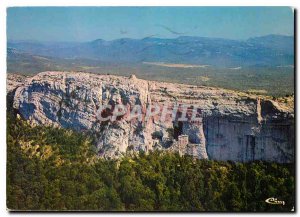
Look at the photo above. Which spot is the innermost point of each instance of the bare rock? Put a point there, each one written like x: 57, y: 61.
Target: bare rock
x: 235, y: 126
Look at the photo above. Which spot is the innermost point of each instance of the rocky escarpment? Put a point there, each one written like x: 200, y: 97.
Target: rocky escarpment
x: 232, y: 126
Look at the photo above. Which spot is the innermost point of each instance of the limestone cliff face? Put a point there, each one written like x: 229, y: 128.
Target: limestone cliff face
x: 234, y: 126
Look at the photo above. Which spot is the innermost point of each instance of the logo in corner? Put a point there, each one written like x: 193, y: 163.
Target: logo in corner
x: 274, y: 201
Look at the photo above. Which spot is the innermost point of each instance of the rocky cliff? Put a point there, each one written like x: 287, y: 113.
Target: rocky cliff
x: 232, y: 125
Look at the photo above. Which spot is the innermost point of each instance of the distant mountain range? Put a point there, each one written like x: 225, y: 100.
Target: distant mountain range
x: 270, y: 50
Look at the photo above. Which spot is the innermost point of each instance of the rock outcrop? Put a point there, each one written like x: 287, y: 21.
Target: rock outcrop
x: 233, y: 125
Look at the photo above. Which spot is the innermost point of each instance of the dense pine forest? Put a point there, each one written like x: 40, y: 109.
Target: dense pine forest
x: 58, y: 169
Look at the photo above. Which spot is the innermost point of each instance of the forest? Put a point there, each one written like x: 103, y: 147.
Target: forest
x: 58, y: 169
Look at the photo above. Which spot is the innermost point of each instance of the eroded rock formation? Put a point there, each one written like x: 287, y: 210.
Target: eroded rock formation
x: 234, y: 125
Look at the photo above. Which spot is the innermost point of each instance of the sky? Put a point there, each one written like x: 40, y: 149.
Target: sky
x: 109, y: 23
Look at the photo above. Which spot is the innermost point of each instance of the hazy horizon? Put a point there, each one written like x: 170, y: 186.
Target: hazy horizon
x: 43, y: 41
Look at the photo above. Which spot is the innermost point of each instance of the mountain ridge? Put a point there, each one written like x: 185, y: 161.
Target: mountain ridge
x: 269, y: 50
